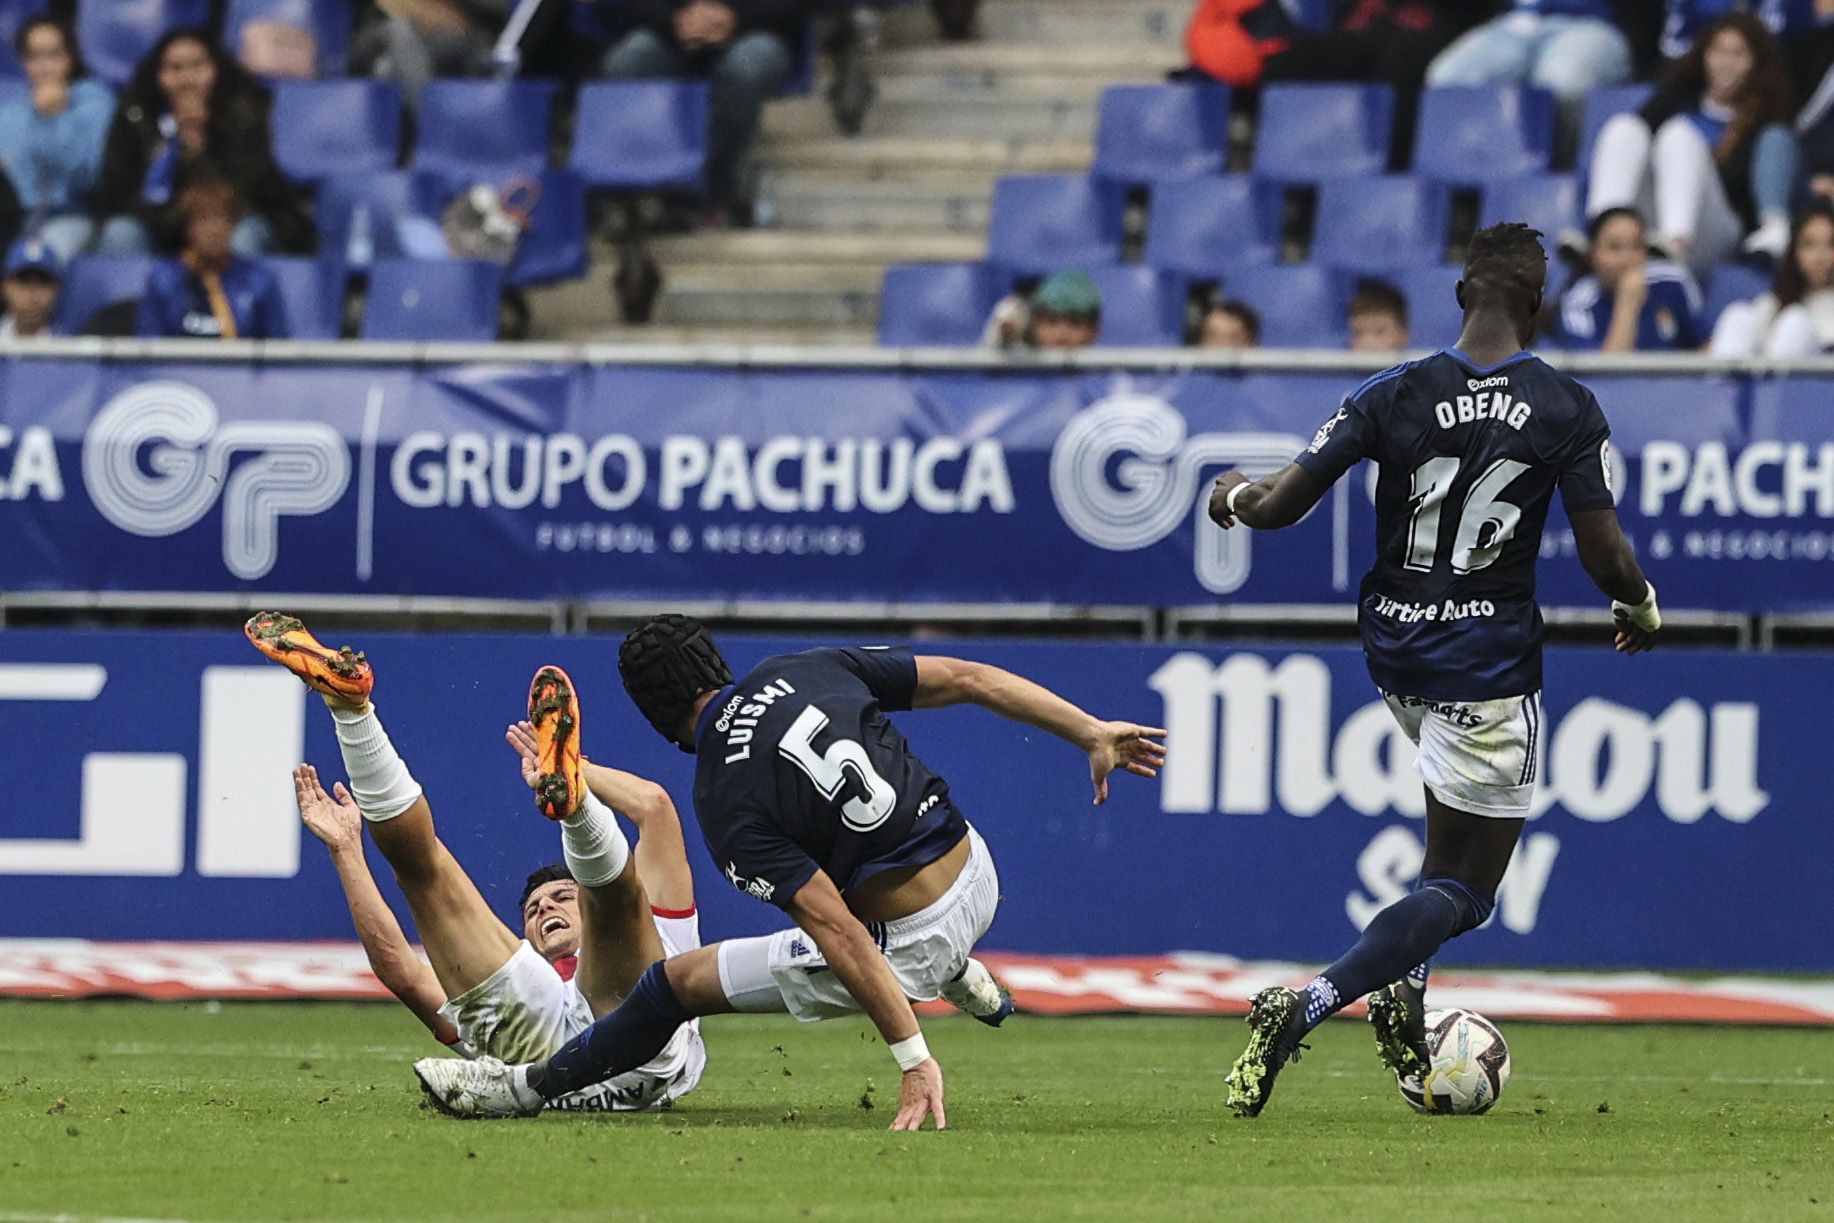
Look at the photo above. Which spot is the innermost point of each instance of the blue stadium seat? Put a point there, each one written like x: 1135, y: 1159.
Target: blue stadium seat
x: 1201, y: 227
x: 13, y: 14
x: 936, y: 304
x: 1601, y: 104
x: 1732, y: 282
x: 1043, y: 222
x: 1547, y: 202
x: 92, y: 282
x: 1433, y: 313
x: 1469, y: 135
x: 433, y: 299
x: 1145, y: 133
x: 1301, y: 305
x: 328, y: 21
x: 387, y: 197
x: 1311, y: 132
x: 313, y: 290
x: 484, y: 130
x: 553, y: 247
x: 1380, y: 225
x: 642, y: 135
x: 116, y: 34
x: 1142, y: 307
x: 323, y: 128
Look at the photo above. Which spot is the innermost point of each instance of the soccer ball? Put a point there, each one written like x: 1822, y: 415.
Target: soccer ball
x: 1470, y: 1066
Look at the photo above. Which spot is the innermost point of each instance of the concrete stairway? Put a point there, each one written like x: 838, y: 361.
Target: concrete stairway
x: 913, y: 187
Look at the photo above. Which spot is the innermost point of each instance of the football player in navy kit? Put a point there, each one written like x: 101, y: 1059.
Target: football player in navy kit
x: 810, y: 799
x: 1471, y: 443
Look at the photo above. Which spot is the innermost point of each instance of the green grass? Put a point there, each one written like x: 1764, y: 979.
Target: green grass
x: 264, y: 1111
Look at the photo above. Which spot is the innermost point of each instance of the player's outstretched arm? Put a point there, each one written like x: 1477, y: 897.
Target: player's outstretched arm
x: 1109, y: 745
x: 1613, y: 568
x: 1278, y: 501
x: 338, y: 825
x: 856, y: 962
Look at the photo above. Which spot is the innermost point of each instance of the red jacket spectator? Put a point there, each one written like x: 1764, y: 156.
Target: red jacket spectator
x: 1230, y: 39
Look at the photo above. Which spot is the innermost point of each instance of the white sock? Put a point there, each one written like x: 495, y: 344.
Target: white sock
x: 525, y: 1095
x: 379, y: 779
x: 975, y: 991
x: 593, y: 844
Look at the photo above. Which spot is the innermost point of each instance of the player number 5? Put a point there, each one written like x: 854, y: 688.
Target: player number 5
x: 830, y: 771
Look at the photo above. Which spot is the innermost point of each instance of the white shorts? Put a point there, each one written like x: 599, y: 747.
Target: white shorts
x: 785, y: 971
x: 524, y: 1011
x: 1476, y: 756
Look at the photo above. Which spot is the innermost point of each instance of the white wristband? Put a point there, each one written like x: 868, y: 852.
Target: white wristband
x: 1644, y: 615
x: 1230, y: 496
x: 911, y: 1052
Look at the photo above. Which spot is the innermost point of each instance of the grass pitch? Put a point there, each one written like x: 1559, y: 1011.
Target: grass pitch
x: 269, y: 1111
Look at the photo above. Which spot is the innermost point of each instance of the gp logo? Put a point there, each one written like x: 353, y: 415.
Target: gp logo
x: 157, y: 458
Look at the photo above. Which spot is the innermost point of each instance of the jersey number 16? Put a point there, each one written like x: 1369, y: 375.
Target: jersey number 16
x: 1484, y: 525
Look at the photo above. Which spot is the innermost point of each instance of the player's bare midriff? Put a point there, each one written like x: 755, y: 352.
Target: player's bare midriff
x: 899, y: 893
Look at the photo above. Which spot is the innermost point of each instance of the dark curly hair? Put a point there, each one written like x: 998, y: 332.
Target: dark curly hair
x: 1765, y: 96
x: 1506, y: 265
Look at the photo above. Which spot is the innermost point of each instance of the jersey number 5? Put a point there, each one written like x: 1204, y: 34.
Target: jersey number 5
x: 1484, y: 526
x: 831, y: 770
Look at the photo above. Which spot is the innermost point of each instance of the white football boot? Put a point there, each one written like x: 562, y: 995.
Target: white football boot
x: 483, y: 1087
x: 978, y: 994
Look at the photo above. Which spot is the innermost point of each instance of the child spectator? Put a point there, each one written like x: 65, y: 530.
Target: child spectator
x: 1378, y: 318
x: 33, y: 276
x: 1796, y: 317
x: 1711, y: 156
x: 209, y: 291
x: 1626, y: 302
x: 51, y: 141
x: 192, y: 114
x: 1064, y: 311
x: 1230, y: 325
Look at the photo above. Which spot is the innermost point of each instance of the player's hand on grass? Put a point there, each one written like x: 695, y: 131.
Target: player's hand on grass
x: 920, y: 1096
x: 1124, y: 745
x: 1219, y: 498
x: 1632, y: 639
x: 333, y: 820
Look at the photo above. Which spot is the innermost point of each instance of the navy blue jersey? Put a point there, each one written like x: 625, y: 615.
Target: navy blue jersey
x: 1670, y: 321
x: 799, y: 769
x: 1469, y: 459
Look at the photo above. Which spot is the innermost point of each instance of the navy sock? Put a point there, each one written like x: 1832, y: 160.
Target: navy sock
x: 623, y: 1040
x: 1399, y: 942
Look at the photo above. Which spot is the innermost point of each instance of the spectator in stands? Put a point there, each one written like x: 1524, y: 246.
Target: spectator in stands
x: 1378, y: 318
x: 1711, y: 156
x: 1787, y: 19
x: 747, y: 48
x: 51, y: 140
x: 1625, y: 301
x: 1064, y: 311
x: 209, y: 291
x: 1567, y: 46
x: 33, y: 275
x: 1796, y: 317
x: 415, y: 41
x: 192, y: 114
x: 1229, y: 324
x: 1232, y: 40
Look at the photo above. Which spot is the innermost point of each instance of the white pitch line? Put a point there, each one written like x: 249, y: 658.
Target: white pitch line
x: 11, y: 1216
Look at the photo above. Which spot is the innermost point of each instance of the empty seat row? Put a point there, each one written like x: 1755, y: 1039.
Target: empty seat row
x: 1309, y: 132
x: 116, y: 34
x: 408, y: 299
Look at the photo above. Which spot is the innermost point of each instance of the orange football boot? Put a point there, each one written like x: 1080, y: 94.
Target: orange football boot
x: 560, y: 783
x: 344, y: 673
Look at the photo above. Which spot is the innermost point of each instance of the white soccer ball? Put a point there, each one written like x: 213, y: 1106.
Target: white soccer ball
x: 1470, y: 1065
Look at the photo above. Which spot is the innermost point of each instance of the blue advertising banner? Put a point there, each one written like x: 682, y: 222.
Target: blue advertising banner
x: 573, y: 482
x: 1681, y: 822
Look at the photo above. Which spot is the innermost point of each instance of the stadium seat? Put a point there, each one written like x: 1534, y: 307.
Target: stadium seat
x: 323, y: 128
x: 1301, y: 306
x: 484, y: 130
x: 328, y: 21
x: 1732, y: 282
x: 936, y: 304
x: 432, y: 300
x: 13, y: 14
x: 1145, y: 133
x: 1601, y: 104
x: 1201, y: 227
x: 553, y: 247
x: 1043, y: 222
x: 642, y: 135
x: 1470, y: 135
x: 1547, y: 202
x: 116, y: 34
x: 94, y: 282
x: 385, y: 198
x: 1380, y: 225
x: 1311, y: 132
x: 1433, y: 314
x: 1142, y: 307
x: 313, y: 290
